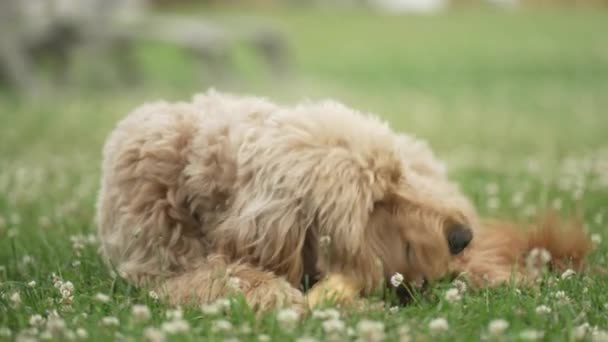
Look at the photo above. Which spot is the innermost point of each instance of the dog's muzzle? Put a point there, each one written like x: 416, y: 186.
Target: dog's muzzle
x: 459, y: 237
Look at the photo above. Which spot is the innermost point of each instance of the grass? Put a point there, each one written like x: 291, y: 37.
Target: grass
x: 512, y: 101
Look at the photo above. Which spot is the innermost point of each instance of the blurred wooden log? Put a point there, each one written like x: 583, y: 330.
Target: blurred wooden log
x: 212, y: 43
x: 111, y: 29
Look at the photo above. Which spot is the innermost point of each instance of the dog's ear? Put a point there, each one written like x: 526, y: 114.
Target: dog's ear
x: 346, y: 193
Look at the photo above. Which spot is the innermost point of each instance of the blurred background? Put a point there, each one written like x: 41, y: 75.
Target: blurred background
x: 485, y: 81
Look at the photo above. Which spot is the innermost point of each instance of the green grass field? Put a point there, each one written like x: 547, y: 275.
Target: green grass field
x: 514, y: 102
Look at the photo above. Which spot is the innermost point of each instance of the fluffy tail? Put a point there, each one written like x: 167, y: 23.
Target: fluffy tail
x: 503, y: 251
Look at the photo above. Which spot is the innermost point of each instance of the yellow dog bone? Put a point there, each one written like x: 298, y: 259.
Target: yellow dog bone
x: 334, y: 287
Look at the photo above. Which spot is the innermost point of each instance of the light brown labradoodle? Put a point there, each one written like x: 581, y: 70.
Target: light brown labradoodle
x: 225, y: 193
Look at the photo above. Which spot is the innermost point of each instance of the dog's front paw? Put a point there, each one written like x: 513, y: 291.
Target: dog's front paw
x: 274, y: 294
x: 335, y: 288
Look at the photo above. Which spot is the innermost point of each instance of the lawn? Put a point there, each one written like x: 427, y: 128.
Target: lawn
x: 514, y: 102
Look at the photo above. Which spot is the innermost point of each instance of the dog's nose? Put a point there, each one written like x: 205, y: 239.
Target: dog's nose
x: 459, y: 237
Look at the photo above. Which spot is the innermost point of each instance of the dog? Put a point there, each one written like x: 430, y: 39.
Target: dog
x: 234, y: 194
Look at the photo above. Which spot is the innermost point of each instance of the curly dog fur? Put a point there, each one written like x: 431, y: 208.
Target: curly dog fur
x: 228, y: 193
x: 502, y: 251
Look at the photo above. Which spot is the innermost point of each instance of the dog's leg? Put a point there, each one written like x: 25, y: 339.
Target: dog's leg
x: 216, y: 279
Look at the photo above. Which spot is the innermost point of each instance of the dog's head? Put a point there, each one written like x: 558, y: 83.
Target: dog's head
x: 416, y: 225
x: 421, y: 224
x: 418, y: 239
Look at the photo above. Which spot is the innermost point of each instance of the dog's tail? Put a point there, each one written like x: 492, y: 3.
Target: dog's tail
x: 505, y: 251
x: 566, y: 241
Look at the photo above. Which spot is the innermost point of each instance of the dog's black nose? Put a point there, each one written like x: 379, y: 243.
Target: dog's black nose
x: 459, y: 237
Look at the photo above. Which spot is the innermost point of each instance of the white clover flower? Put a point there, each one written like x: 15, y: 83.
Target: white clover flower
x: 141, y: 313
x: 580, y: 331
x: 567, y: 274
x: 32, y: 284
x: 15, y: 299
x: 493, y: 203
x: 531, y: 335
x: 598, y: 218
x: 57, y: 281
x: 210, y: 309
x: 418, y: 282
x: 55, y: 324
x: 44, y: 221
x: 12, y: 233
x: 91, y: 239
x: 543, y: 310
x: 66, y: 289
x: 102, y: 297
x: 216, y: 307
x: 404, y: 333
x: 529, y: 210
x: 223, y: 303
x: 599, y: 335
x: 288, y: 318
x: 460, y: 285
x: 37, y: 321
x: 152, y: 294
x: 537, y: 259
x: 329, y: 313
x: 557, y: 203
x: 439, y: 325
x: 69, y: 335
x: 324, y: 241
x: 492, y: 188
x: 174, y: 314
x: 29, y: 334
x: 79, y: 242
x: 578, y: 194
x: 221, y: 325
x: 562, y: 297
x: 26, y: 260
x: 234, y: 283
x: 333, y: 326
x: 370, y: 330
x: 498, y: 327
x: 453, y: 295
x: 393, y: 309
x: 175, y: 326
x: 110, y: 321
x: 5, y: 332
x: 82, y: 334
x: 306, y: 339
x: 596, y: 238
x: 263, y: 338
x: 45, y: 336
x: 517, y: 199
x: 397, y: 279
x: 245, y: 329
x: 154, y: 335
